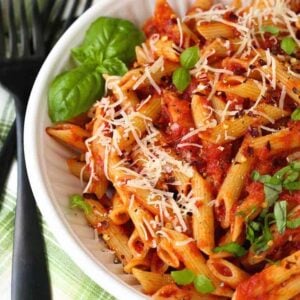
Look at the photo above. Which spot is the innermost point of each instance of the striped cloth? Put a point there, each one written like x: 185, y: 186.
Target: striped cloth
x: 67, y: 280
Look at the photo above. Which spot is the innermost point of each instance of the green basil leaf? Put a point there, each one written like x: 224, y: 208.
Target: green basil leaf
x: 181, y: 79
x: 189, y: 57
x: 291, y: 177
x: 288, y: 45
x: 292, y: 186
x: 183, y: 277
x: 107, y: 38
x: 292, y: 224
x: 113, y: 66
x: 203, y: 284
x: 259, y: 234
x: 73, y: 92
x: 76, y: 201
x: 280, y: 215
x: 271, y: 29
x: 255, y: 175
x: 233, y: 248
x: 272, y: 193
x: 264, y: 178
x: 295, y: 116
x: 295, y: 165
x: 281, y: 173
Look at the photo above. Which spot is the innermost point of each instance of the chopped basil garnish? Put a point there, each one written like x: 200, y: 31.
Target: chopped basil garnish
x: 292, y: 224
x: 233, y: 248
x: 288, y: 45
x: 203, y: 284
x: 189, y: 57
x: 280, y: 215
x: 183, y: 277
x: 296, y: 114
x: 271, y: 29
x: 258, y: 233
x: 77, y: 201
x: 286, y: 178
x: 181, y: 79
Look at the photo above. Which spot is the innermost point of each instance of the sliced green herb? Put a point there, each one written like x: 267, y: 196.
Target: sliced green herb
x: 291, y: 177
x: 181, y: 79
x: 295, y: 165
x: 271, y: 29
x: 77, y: 201
x: 183, y: 277
x: 203, y: 284
x: 233, y: 248
x: 292, y: 186
x: 295, y: 116
x: 292, y: 224
x: 280, y: 215
x: 288, y: 45
x: 272, y: 193
x: 259, y: 234
x: 189, y: 57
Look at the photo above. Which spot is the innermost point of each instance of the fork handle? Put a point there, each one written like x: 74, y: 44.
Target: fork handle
x: 30, y: 278
x: 7, y: 154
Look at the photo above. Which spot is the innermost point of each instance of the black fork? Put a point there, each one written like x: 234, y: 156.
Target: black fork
x: 21, y: 54
x: 53, y: 26
x: 18, y: 68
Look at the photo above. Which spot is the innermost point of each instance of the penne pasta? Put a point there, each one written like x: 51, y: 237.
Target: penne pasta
x: 227, y: 272
x: 203, y: 217
x: 191, y: 158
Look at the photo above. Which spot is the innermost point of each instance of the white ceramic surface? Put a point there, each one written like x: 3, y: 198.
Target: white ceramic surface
x: 46, y: 160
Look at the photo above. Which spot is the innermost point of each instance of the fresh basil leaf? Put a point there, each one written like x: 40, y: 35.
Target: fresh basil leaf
x: 107, y: 38
x: 181, y: 79
x: 263, y: 178
x: 292, y: 186
x: 295, y: 165
x: 113, y: 66
x: 259, y: 234
x: 183, y: 277
x: 292, y: 224
x: 203, y: 284
x: 77, y: 201
x: 233, y: 248
x: 252, y: 231
x: 280, y: 215
x: 189, y: 57
x: 255, y: 175
x: 272, y: 192
x: 291, y: 177
x: 271, y: 29
x: 295, y: 116
x: 281, y: 173
x: 73, y: 92
x: 288, y: 45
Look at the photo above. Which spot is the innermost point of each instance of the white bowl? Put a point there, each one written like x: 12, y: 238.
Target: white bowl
x: 49, y: 177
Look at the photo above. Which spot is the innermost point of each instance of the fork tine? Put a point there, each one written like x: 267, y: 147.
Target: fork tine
x: 46, y: 11
x: 71, y: 16
x: 25, y: 47
x: 12, y: 30
x: 87, y: 5
x: 53, y: 27
x: 2, y: 38
x: 38, y: 41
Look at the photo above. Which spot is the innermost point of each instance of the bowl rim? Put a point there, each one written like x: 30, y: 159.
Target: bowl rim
x: 59, y: 227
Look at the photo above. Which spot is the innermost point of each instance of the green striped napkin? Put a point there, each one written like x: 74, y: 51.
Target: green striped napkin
x: 67, y: 280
